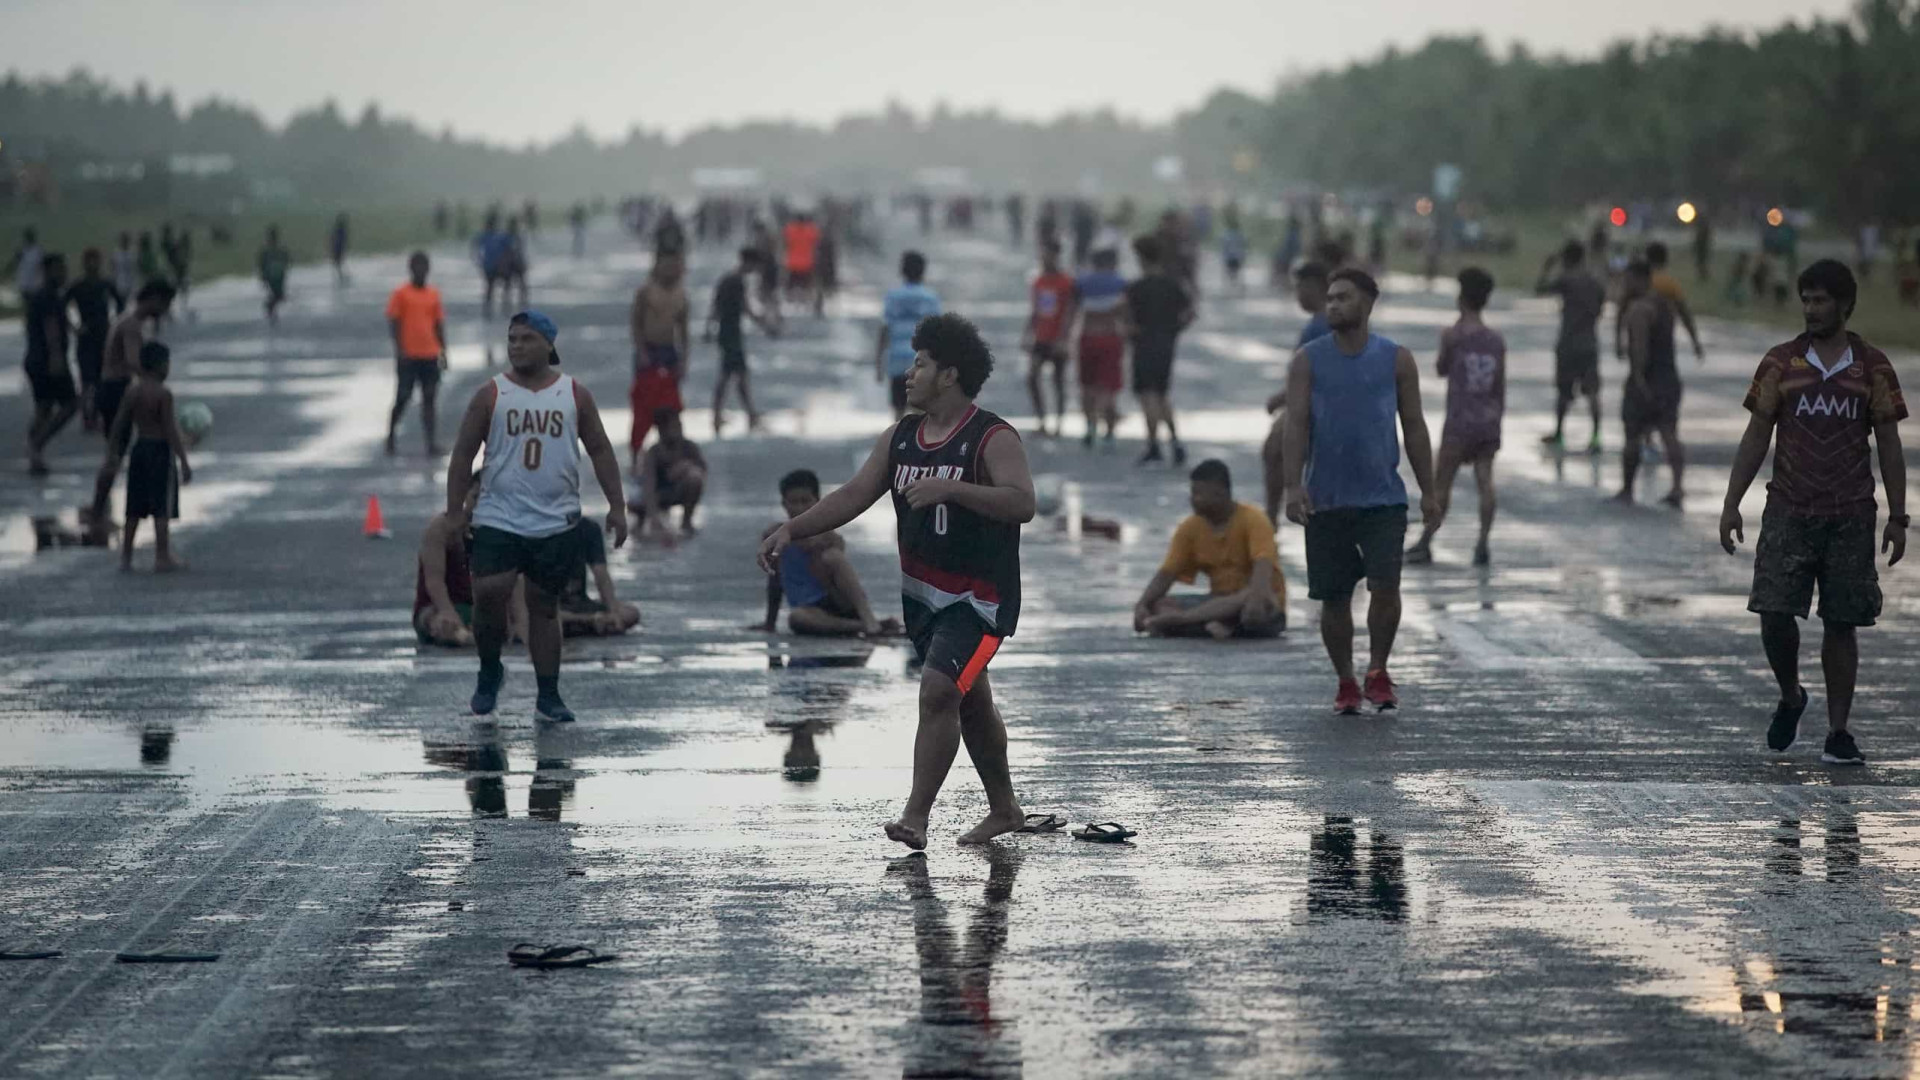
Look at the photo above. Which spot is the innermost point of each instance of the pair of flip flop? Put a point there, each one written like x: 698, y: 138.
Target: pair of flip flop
x: 1109, y: 832
x: 528, y: 955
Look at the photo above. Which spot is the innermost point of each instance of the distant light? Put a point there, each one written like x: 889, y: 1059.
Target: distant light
x: 1775, y: 217
x: 1686, y: 212
x: 1618, y: 216
x: 1423, y: 206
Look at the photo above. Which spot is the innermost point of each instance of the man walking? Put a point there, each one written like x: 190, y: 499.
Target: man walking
x: 961, y: 490
x: 1576, y: 352
x: 534, y: 422
x: 1159, y: 307
x: 1826, y: 392
x: 901, y: 312
x: 418, y: 324
x: 1651, y: 403
x: 1343, y: 478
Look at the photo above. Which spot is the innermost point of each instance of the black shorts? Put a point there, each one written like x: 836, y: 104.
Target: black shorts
x: 547, y: 561
x: 89, y: 352
x: 1047, y: 352
x: 52, y: 384
x: 1152, y: 369
x: 897, y: 391
x: 733, y: 358
x: 954, y: 641
x: 1348, y: 544
x: 1576, y: 369
x: 107, y: 397
x: 422, y: 373
x: 1798, y: 551
x: 1655, y: 407
x: 153, y: 489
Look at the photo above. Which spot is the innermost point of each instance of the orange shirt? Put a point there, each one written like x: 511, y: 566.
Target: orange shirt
x: 802, y: 238
x: 418, y: 312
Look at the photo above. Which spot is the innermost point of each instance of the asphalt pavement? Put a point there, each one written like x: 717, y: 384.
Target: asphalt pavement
x: 1569, y: 853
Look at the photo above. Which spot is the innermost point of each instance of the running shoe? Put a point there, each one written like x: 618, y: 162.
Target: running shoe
x: 548, y: 707
x: 1380, y: 691
x: 1553, y: 442
x: 1786, y: 723
x: 1346, y: 701
x: 1418, y: 555
x: 1087, y: 439
x: 1593, y: 445
x: 1482, y: 556
x: 1841, y: 750
x: 1179, y: 453
x: 1152, y: 455
x: 486, y: 691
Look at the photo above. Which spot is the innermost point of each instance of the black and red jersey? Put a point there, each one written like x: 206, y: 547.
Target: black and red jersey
x: 948, y: 554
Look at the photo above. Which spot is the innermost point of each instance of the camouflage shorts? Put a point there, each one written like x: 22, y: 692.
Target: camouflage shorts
x: 1798, y: 551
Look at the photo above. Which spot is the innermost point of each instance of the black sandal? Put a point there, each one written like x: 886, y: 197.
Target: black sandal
x: 1043, y: 823
x: 31, y: 954
x: 1107, y: 832
x: 528, y: 955
x: 167, y: 957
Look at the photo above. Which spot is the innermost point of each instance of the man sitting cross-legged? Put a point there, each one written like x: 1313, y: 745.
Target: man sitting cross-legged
x: 816, y: 579
x: 1230, y: 542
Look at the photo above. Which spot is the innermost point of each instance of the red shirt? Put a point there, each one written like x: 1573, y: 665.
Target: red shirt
x: 1822, y: 464
x: 802, y: 237
x: 1052, y: 295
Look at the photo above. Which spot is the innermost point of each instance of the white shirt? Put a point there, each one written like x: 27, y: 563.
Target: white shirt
x: 530, y: 483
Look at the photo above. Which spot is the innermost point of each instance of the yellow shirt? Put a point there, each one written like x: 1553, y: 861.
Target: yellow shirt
x: 1227, y: 555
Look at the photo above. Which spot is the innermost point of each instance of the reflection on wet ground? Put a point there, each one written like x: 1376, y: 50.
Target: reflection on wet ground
x: 1568, y: 855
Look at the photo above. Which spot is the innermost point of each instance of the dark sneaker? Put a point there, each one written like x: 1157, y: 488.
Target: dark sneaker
x: 486, y: 691
x: 1179, y: 454
x: 1152, y: 455
x: 1418, y: 555
x: 1841, y: 750
x: 1346, y: 700
x: 1482, y: 556
x: 1554, y: 442
x: 1380, y: 693
x: 549, y: 708
x: 1786, y: 723
x: 1593, y: 445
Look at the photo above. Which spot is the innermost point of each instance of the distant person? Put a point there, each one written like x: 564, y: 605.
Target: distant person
x: 1576, y: 351
x: 903, y: 309
x: 491, y: 254
x: 1669, y: 289
x: 93, y: 300
x: 1473, y: 360
x: 440, y: 218
x: 148, y: 260
x: 274, y: 262
x: 178, y: 249
x: 1825, y: 393
x: 26, y: 267
x: 1100, y: 301
x: 1159, y: 307
x: 1651, y: 404
x: 577, y: 221
x: 125, y: 267
x: 1344, y: 392
x: 516, y: 262
x: 55, y: 398
x: 1045, y: 337
x: 417, y: 323
x: 801, y: 238
x: 673, y: 473
x: 443, y: 577
x: 727, y: 314
x: 1232, y: 544
x: 1310, y: 292
x: 153, y: 487
x: 119, y: 364
x: 1703, y: 248
x: 1233, y: 251
x: 337, y: 250
x: 658, y: 321
x: 822, y: 591
x: 534, y: 422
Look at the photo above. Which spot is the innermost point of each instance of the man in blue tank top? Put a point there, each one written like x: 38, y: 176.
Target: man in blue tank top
x: 1343, y: 485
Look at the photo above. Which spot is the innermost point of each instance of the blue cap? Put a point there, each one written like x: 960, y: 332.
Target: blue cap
x: 542, y: 325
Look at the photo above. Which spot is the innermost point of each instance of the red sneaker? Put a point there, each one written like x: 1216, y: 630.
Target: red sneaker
x: 1346, y: 701
x: 1380, y: 691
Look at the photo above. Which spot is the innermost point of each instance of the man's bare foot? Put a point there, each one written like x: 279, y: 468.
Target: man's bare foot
x: 994, y: 825
x: 1220, y: 631
x: 915, y: 837
x: 168, y: 564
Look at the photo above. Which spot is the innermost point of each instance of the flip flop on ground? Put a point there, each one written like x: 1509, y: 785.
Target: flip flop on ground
x: 1107, y: 832
x: 30, y: 954
x: 1043, y: 823
x: 527, y: 954
x: 167, y: 957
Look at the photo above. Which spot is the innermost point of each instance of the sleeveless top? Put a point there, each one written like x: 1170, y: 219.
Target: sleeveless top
x: 1476, y: 383
x: 530, y: 484
x: 1353, y: 459
x: 1660, y: 357
x: 949, y: 554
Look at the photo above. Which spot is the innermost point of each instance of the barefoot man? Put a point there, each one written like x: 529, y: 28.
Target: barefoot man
x: 961, y: 490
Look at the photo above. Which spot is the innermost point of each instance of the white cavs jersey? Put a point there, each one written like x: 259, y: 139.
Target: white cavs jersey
x: 530, y: 483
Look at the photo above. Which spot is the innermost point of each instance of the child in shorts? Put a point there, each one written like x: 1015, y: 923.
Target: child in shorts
x: 153, y: 487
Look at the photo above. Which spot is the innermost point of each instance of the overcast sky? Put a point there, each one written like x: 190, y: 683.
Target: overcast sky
x: 512, y: 70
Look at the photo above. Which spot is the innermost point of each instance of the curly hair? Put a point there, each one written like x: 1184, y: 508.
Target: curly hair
x: 953, y: 342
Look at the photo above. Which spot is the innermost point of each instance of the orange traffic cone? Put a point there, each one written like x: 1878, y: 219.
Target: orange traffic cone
x: 376, y: 527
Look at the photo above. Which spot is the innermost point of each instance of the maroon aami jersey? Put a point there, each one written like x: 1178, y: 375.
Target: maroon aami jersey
x: 949, y: 554
x: 1823, y: 415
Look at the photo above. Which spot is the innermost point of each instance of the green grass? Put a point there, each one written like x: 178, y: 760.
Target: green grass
x: 304, y: 231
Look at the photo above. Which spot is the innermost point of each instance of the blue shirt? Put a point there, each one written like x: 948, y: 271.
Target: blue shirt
x: 1316, y: 328
x: 902, y: 310
x: 1099, y: 291
x: 1353, y: 456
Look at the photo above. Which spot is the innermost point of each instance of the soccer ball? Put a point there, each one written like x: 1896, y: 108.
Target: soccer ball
x: 196, y: 420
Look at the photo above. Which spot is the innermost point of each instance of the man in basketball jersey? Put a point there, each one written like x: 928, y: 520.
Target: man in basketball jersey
x: 533, y: 421
x: 961, y: 490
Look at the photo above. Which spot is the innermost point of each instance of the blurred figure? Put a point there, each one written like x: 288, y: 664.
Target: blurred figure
x: 25, y: 266
x: 802, y: 242
x: 516, y: 262
x: 1651, y: 405
x: 125, y: 269
x: 1100, y: 301
x: 577, y: 221
x: 1576, y: 352
x: 417, y: 324
x: 902, y: 310
x: 1310, y: 292
x: 490, y: 249
x: 274, y: 261
x: 1159, y: 307
x: 658, y: 322
x: 727, y: 313
x: 1045, y: 336
x: 94, y: 300
x: 55, y: 399
x: 337, y: 250
x: 1473, y: 361
x: 1702, y: 247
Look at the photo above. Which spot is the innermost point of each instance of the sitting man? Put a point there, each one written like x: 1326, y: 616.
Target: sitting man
x: 816, y: 579
x: 443, y: 585
x: 673, y: 473
x: 580, y: 614
x: 1231, y: 543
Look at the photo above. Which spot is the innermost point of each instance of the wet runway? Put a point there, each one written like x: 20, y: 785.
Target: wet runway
x: 1569, y: 854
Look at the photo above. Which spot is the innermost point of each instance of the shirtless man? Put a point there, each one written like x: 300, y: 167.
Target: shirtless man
x: 153, y: 488
x: 659, y: 322
x: 443, y: 581
x: 673, y: 473
x: 815, y: 577
x: 117, y: 366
